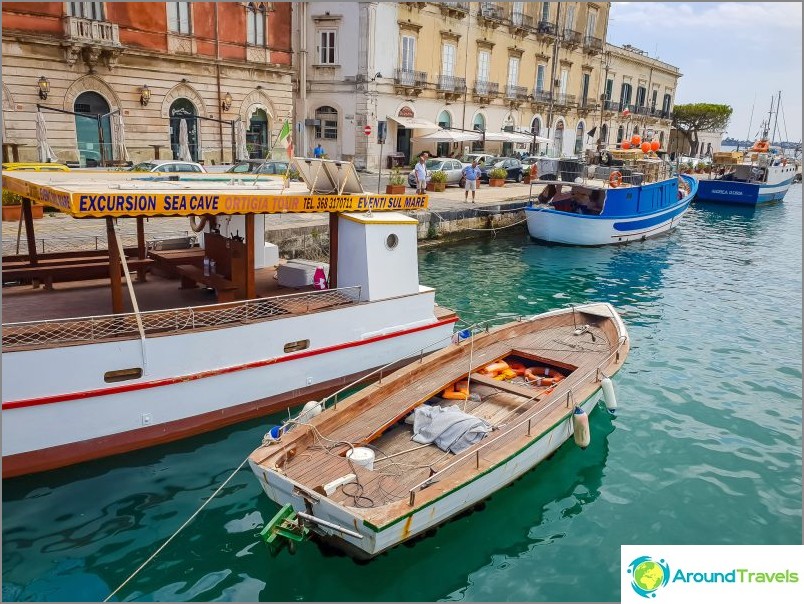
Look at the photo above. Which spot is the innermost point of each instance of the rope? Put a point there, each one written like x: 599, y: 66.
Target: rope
x: 180, y: 529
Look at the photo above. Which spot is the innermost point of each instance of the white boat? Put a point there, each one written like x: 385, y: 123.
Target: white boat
x: 439, y: 435
x: 83, y: 378
x: 610, y: 209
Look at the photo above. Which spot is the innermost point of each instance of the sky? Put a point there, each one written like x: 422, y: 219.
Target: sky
x: 734, y: 53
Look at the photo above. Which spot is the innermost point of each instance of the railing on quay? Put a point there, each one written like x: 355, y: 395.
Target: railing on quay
x: 178, y: 320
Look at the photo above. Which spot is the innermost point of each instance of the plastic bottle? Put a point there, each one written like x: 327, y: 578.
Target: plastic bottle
x: 206, y: 266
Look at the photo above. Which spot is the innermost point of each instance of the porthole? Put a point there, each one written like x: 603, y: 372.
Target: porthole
x: 391, y: 241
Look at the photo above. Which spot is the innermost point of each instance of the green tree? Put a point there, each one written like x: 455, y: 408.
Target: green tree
x: 693, y: 118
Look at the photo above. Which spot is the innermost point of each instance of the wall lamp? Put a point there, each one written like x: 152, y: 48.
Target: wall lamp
x: 44, y: 87
x: 226, y: 103
x: 145, y: 95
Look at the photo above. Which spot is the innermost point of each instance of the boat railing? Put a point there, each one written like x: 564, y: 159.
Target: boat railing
x: 39, y: 334
x: 562, y: 395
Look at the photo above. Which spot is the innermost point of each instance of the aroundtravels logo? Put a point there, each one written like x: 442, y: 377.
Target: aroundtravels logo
x: 648, y: 575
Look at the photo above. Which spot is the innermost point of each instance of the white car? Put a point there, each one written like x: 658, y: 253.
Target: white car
x: 452, y: 167
x: 167, y: 165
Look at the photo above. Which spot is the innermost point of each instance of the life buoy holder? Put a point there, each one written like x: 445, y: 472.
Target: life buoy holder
x: 615, y: 179
x: 198, y: 226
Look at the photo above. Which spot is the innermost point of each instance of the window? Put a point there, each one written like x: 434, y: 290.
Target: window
x: 255, y: 24
x: 653, y: 100
x: 448, y: 52
x: 604, y: 134
x: 483, y: 60
x: 540, y: 69
x: 326, y: 47
x: 517, y: 12
x: 579, y: 138
x: 591, y: 22
x: 620, y: 134
x: 569, y: 19
x: 408, y: 53
x: 666, y: 105
x: 609, y: 89
x: 585, y: 88
x: 625, y: 96
x: 562, y: 89
x: 513, y: 71
x: 545, y: 11
x: 640, y: 97
x: 328, y: 118
x: 179, y: 17
x: 86, y: 10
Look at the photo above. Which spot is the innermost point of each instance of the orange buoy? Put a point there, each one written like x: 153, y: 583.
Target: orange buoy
x: 655, y: 145
x: 625, y: 145
x: 645, y: 147
x: 636, y: 140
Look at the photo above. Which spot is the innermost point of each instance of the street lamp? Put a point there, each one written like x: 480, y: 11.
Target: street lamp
x: 44, y: 87
x: 145, y: 95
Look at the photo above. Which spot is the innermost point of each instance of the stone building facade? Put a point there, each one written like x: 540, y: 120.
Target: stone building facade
x: 154, y: 64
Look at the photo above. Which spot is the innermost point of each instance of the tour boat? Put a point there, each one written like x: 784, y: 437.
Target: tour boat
x: 439, y: 435
x: 612, y: 208
x: 88, y: 374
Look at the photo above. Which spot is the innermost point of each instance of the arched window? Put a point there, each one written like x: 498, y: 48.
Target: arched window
x: 620, y: 134
x: 327, y: 127
x: 255, y: 23
x: 558, y: 139
x: 535, y: 128
x: 579, y: 139
x: 92, y: 151
x: 479, y: 124
x: 183, y: 109
x: 257, y: 135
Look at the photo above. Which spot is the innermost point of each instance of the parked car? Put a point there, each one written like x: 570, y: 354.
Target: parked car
x: 512, y: 165
x: 258, y: 166
x: 482, y: 158
x: 452, y: 167
x: 167, y: 165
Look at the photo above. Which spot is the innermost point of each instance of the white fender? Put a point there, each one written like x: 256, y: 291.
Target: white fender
x: 309, y: 411
x: 608, y: 394
x: 580, y: 427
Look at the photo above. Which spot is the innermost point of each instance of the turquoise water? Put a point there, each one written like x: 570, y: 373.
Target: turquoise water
x: 706, y: 447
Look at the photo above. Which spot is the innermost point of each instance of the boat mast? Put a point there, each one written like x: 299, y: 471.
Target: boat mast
x: 750, y: 121
x: 776, y: 117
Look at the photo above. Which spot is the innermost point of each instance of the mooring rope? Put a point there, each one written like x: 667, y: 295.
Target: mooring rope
x: 180, y: 529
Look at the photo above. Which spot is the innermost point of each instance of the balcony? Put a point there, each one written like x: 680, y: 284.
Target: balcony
x: 520, y: 23
x: 592, y: 45
x: 414, y: 5
x: 490, y: 15
x: 451, y: 87
x: 409, y: 82
x: 541, y: 97
x: 546, y: 28
x: 571, y: 38
x: 516, y: 94
x: 485, y: 91
x: 586, y: 105
x: 456, y: 10
x: 610, y: 105
x: 565, y: 100
x: 91, y: 40
x: 641, y: 110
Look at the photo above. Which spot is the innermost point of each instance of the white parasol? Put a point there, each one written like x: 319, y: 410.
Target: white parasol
x: 510, y: 137
x: 120, y: 150
x: 184, y: 142
x: 46, y: 153
x: 240, y: 145
x: 449, y: 136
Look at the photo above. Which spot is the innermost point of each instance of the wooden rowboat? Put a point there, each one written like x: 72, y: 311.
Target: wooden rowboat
x: 318, y: 466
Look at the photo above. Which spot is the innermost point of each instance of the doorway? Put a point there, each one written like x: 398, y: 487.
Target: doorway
x: 94, y: 144
x: 403, y: 142
x: 183, y: 109
x: 257, y: 135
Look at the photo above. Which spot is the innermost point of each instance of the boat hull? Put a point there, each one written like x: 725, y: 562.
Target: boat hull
x: 376, y: 540
x: 741, y: 193
x: 196, y: 381
x: 552, y: 226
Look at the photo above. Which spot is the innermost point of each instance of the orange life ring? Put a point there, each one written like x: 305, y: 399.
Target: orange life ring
x: 761, y: 146
x: 615, y: 179
x: 543, y: 376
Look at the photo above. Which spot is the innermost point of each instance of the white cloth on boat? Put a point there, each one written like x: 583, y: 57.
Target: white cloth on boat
x: 448, y: 427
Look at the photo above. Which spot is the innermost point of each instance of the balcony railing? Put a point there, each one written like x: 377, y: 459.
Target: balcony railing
x: 587, y: 103
x: 611, y: 105
x: 593, y: 44
x: 642, y: 110
x: 484, y: 88
x: 572, y: 37
x: 516, y: 92
x: 457, y: 10
x: 491, y: 11
x: 621, y: 106
x: 519, y: 19
x: 565, y: 99
x: 87, y: 30
x: 406, y: 77
x: 541, y: 96
x: 546, y: 27
x: 453, y: 84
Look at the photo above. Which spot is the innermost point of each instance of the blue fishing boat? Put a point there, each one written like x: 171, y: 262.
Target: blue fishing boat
x: 601, y: 211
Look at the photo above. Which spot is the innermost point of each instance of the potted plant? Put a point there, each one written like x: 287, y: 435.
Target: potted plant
x: 438, y: 181
x: 497, y: 177
x: 396, y: 183
x: 700, y: 167
x: 12, y: 207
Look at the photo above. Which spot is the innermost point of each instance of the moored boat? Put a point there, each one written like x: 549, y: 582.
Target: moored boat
x: 610, y: 208
x: 89, y: 371
x: 438, y: 436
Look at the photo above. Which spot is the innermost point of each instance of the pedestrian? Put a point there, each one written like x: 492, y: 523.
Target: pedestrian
x: 318, y: 152
x: 421, y: 174
x: 471, y: 175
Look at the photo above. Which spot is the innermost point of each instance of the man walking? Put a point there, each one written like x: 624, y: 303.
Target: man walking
x: 471, y: 174
x: 421, y: 175
x: 318, y: 152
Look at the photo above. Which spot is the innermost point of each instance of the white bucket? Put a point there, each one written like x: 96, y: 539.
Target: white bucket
x: 362, y: 456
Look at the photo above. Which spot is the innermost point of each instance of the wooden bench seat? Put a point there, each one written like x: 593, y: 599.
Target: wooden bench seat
x: 50, y: 273
x: 191, y: 275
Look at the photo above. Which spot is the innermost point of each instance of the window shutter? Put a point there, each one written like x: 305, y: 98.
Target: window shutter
x: 173, y: 20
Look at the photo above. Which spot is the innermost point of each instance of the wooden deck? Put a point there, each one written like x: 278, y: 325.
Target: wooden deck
x: 374, y: 416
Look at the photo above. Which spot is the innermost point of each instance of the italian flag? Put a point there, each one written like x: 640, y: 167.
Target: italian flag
x: 285, y: 135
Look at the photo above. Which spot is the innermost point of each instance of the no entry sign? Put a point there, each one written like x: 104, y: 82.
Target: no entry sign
x: 367, y: 130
